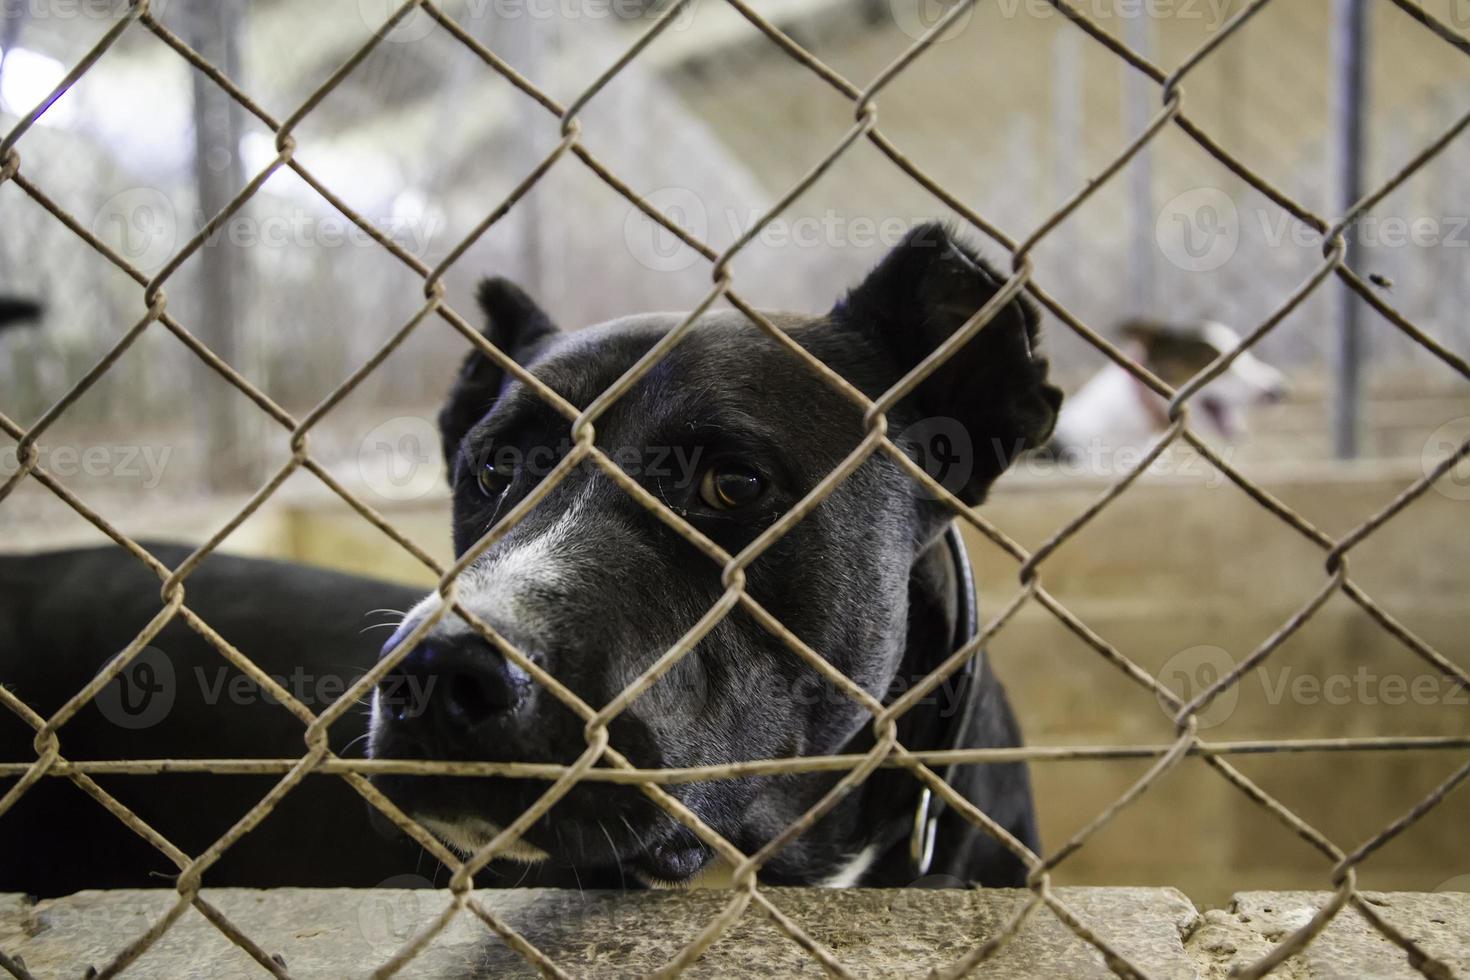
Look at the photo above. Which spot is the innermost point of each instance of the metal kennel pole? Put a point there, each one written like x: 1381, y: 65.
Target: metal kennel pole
x: 1349, y: 66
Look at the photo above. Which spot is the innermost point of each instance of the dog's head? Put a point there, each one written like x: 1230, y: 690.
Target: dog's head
x: 730, y: 431
x: 1176, y: 353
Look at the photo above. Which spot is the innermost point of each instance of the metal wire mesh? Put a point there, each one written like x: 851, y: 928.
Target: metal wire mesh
x: 887, y: 750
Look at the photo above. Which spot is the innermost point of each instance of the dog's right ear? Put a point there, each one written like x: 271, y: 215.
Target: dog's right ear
x: 513, y: 323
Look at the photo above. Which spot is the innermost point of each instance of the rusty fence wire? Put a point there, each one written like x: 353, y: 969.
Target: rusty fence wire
x: 582, y: 422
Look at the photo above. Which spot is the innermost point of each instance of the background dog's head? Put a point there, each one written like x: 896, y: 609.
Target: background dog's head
x: 1178, y: 352
x: 729, y: 430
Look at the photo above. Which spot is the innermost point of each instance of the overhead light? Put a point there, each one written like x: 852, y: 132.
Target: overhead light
x: 28, y: 78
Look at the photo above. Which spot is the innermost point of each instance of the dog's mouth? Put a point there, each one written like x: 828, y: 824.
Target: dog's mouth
x: 589, y: 829
x: 670, y: 863
x: 467, y: 836
x: 595, y: 826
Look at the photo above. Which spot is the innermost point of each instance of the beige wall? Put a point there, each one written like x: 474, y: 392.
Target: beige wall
x: 1186, y: 581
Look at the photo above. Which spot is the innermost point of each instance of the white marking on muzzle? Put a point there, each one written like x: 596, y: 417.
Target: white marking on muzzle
x: 494, y: 589
x: 469, y: 835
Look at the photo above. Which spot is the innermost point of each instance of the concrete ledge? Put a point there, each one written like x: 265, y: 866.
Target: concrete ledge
x: 346, y: 933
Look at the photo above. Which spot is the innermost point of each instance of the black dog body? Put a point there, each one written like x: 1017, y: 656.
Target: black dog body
x: 65, y: 614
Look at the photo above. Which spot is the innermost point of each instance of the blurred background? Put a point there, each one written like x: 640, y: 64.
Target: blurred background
x: 1013, y: 111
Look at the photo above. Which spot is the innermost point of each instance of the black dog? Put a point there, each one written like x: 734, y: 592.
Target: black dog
x: 594, y: 588
x: 872, y: 579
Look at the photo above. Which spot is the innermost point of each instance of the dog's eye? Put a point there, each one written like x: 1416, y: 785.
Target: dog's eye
x: 729, y: 486
x: 495, y: 479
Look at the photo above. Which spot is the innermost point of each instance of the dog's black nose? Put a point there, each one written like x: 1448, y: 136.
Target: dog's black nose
x: 452, y: 685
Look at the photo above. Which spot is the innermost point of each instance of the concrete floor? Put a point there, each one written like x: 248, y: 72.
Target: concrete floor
x: 872, y: 933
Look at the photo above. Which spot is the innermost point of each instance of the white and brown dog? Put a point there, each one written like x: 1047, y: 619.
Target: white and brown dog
x: 1115, y: 411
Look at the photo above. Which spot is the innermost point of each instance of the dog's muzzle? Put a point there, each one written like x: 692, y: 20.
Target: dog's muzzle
x: 448, y: 688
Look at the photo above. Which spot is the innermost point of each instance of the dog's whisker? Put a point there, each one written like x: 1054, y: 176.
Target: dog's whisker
x: 622, y: 882
x: 682, y: 512
x: 578, y: 879
x: 378, y: 626
x: 642, y: 845
x: 525, y: 873
x: 352, y: 744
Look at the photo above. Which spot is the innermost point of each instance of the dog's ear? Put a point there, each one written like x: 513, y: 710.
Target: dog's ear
x: 995, y: 386
x: 1143, y: 330
x: 1162, y: 342
x: 513, y: 323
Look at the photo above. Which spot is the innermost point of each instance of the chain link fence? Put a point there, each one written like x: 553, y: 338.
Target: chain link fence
x: 561, y: 121
x: 1016, y: 121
